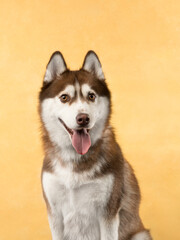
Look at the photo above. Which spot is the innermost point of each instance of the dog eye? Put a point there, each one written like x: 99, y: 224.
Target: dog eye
x: 91, y: 97
x: 65, y: 98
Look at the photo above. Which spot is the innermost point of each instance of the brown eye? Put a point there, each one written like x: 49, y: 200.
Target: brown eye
x: 91, y: 97
x: 65, y: 98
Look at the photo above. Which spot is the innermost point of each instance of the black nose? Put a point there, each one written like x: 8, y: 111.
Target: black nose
x: 82, y: 119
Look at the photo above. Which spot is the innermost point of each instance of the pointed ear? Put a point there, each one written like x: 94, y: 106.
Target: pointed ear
x: 93, y: 65
x: 56, y: 66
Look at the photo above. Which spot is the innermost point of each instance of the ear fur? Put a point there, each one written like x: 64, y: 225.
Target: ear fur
x: 93, y: 65
x: 55, y: 67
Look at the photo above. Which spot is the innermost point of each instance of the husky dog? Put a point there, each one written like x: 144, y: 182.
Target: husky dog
x: 90, y: 190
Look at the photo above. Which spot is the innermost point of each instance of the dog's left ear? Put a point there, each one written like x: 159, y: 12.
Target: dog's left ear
x: 93, y: 65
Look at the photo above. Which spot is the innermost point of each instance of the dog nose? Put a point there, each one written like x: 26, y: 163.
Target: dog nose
x: 82, y: 119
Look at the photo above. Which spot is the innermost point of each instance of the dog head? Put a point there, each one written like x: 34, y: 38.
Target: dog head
x: 74, y: 105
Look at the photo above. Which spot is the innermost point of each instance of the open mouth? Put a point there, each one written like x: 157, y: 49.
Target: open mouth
x: 80, y: 138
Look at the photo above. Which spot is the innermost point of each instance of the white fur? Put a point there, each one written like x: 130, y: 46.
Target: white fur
x: 86, y: 88
x: 56, y: 224
x: 70, y: 90
x: 76, y: 202
x: 109, y: 229
x: 53, y: 108
x: 48, y: 76
x: 141, y: 236
x: 92, y: 64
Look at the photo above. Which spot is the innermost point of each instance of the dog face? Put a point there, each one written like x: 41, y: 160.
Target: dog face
x: 74, y: 105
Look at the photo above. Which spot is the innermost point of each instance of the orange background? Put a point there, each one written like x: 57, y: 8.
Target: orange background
x: 138, y: 43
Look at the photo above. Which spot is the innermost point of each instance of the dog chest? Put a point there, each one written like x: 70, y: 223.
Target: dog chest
x: 74, y: 193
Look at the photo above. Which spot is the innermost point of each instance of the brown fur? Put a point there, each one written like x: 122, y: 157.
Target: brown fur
x: 52, y: 89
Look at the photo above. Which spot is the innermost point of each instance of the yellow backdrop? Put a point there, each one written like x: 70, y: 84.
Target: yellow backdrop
x: 138, y: 43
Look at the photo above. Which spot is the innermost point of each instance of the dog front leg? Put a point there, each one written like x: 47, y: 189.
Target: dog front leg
x: 109, y: 228
x: 56, y: 225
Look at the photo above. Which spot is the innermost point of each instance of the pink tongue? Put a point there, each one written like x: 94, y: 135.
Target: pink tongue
x: 81, y: 141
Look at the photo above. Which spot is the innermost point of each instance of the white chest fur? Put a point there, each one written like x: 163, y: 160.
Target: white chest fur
x: 79, y: 199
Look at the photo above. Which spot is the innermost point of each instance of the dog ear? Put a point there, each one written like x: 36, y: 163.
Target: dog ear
x: 93, y: 65
x: 55, y: 67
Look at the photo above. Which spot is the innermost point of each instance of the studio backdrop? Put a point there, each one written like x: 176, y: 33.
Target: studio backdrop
x: 138, y: 43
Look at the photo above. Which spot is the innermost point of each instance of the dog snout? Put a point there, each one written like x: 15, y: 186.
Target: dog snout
x: 82, y: 119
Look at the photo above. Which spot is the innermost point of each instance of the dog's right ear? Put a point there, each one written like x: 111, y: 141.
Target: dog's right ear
x: 56, y: 66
